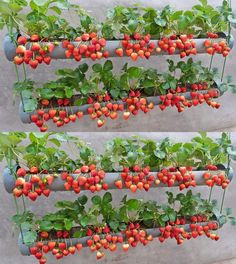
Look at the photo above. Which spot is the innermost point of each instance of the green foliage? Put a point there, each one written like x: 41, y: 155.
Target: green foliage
x: 46, y: 152
x: 80, y: 85
x: 46, y: 18
x: 75, y: 215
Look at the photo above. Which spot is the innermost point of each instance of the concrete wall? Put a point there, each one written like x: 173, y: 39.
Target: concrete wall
x: 197, y: 251
x: 170, y: 120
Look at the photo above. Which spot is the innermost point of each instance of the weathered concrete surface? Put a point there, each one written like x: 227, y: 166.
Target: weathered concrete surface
x: 202, y: 250
x: 200, y: 118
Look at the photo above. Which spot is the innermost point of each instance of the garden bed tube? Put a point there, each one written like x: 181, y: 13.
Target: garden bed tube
x: 110, y: 179
x: 111, y: 46
x: 155, y: 232
x: 26, y: 116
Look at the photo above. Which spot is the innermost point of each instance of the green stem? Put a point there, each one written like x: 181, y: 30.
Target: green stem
x: 210, y: 194
x: 223, y: 70
x: 24, y: 71
x: 222, y: 203
x: 24, y: 206
x: 17, y: 73
x: 211, y: 62
x: 227, y: 174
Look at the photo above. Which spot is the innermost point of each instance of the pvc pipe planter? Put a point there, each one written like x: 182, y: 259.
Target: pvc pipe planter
x: 24, y: 249
x: 111, y: 46
x: 26, y: 116
x: 110, y: 178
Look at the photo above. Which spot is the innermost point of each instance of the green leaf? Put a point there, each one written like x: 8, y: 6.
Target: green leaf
x: 133, y: 204
x: 108, y: 66
x: 114, y: 225
x: 82, y: 199
x: 97, y: 67
x: 96, y: 200
x: 68, y: 224
x: 46, y: 226
x: 84, y: 221
x: 83, y: 67
x: 29, y: 237
x: 107, y: 198
x: 79, y: 234
x: 134, y: 72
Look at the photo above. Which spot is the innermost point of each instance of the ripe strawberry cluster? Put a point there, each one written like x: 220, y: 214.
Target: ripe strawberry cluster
x: 88, y: 178
x: 174, y: 98
x: 88, y: 46
x: 101, y: 239
x: 33, y: 186
x: 137, y: 178
x: 58, y: 249
x: 216, y: 179
x: 33, y: 52
x: 182, y: 176
x: 59, y: 116
x: 102, y: 107
x: 213, y: 47
x: 174, y: 231
x: 136, y: 46
x: 184, y: 44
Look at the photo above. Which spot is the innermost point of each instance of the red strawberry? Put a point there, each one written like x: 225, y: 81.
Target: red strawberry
x: 46, y: 192
x: 33, y: 64
x: 34, y: 38
x: 20, y: 50
x: 33, y: 196
x: 126, y: 115
x: 17, y: 192
x: 21, y: 172
x: 47, y: 60
x: 120, y: 52
x: 34, y: 170
x: 18, y: 60
x: 19, y: 182
x: 22, y: 40
x: 119, y: 184
x: 52, y: 112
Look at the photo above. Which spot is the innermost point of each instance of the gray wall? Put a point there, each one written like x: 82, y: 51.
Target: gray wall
x: 201, y: 250
x: 170, y: 120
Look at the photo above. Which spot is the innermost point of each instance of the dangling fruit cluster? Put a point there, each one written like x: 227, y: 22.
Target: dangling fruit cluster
x: 135, y: 103
x: 184, y: 44
x: 134, y: 235
x: 59, y: 114
x: 213, y: 47
x: 182, y: 176
x: 58, y: 249
x: 29, y: 184
x: 88, y: 178
x: 102, y: 240
x: 136, y: 46
x: 216, y: 179
x: 87, y: 46
x: 101, y: 108
x: 173, y: 230
x: 33, y: 52
x: 175, y: 98
x: 137, y: 178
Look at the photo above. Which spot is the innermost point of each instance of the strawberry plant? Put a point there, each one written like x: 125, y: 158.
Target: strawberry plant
x: 105, y: 94
x: 101, y: 222
x: 37, y: 161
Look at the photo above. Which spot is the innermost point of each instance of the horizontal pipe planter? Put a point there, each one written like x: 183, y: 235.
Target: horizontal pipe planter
x: 110, y: 178
x: 26, y: 116
x: 24, y: 249
x: 111, y: 46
